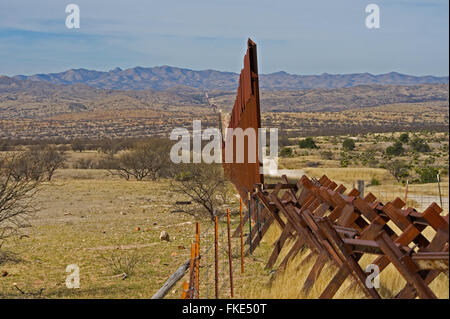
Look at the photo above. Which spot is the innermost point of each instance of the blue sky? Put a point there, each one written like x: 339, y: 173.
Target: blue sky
x: 301, y: 37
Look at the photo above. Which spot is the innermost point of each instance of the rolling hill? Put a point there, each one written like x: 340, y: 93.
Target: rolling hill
x: 40, y: 99
x: 164, y: 77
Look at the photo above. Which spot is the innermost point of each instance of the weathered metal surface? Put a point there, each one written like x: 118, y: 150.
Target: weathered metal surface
x: 245, y: 115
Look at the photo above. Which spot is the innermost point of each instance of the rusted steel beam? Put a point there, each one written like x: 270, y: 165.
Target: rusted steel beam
x: 343, y: 251
x: 278, y: 246
x: 431, y: 260
x: 314, y: 273
x: 405, y: 266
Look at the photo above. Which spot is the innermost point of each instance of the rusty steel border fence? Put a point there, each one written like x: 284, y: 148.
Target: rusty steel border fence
x: 245, y: 114
x: 336, y: 227
x: 332, y: 226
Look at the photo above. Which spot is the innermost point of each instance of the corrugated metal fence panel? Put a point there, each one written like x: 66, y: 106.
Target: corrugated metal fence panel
x: 246, y: 114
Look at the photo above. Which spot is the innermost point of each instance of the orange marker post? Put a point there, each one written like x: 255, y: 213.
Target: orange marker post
x: 242, y: 240
x: 230, y: 258
x: 197, y: 259
x: 185, y: 290
x: 190, y: 294
x: 216, y: 257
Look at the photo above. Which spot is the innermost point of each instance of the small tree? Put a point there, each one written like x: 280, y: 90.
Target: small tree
x: 51, y: 159
x: 427, y: 174
x: 78, y: 145
x: 420, y: 146
x: 204, y: 184
x: 404, y: 138
x: 283, y: 139
x: 395, y: 150
x: 26, y: 165
x: 398, y: 169
x: 348, y: 144
x: 146, y: 160
x: 307, y: 143
x: 109, y: 146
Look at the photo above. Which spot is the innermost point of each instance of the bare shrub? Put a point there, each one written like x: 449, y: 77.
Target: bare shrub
x: 84, y: 163
x: 204, y: 185
x: 17, y: 191
x: 147, y: 160
x: 51, y: 159
x: 120, y: 262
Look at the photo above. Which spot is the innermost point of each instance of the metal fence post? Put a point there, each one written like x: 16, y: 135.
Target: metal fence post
x: 250, y: 222
x: 197, y: 260
x: 216, y: 257
x: 361, y: 188
x: 242, y: 239
x: 439, y: 187
x: 230, y: 257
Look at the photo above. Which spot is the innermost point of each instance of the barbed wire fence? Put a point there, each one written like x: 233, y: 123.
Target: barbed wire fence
x: 419, y: 196
x: 213, y: 263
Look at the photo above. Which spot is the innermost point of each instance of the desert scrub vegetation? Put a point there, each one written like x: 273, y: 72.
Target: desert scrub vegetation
x: 203, y: 184
x: 20, y: 178
x: 122, y: 262
x: 145, y: 160
x: 404, y: 155
x: 307, y: 143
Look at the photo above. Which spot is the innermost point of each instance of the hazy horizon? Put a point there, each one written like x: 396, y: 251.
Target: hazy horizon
x: 225, y: 71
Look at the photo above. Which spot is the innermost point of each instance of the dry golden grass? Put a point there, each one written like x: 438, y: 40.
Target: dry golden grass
x: 288, y: 284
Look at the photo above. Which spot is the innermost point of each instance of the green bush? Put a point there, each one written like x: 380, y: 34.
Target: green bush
x: 374, y: 182
x: 420, y: 146
x: 307, y: 143
x: 328, y: 155
x: 395, y: 150
x: 398, y: 169
x: 427, y: 174
x: 345, y: 160
x: 286, y: 152
x: 348, y: 144
x: 404, y: 138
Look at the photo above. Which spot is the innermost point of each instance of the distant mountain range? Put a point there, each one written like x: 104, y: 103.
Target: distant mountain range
x: 165, y: 77
x: 39, y: 99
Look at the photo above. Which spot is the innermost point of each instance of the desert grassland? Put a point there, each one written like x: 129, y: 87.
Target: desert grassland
x: 89, y: 218
x: 80, y: 222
